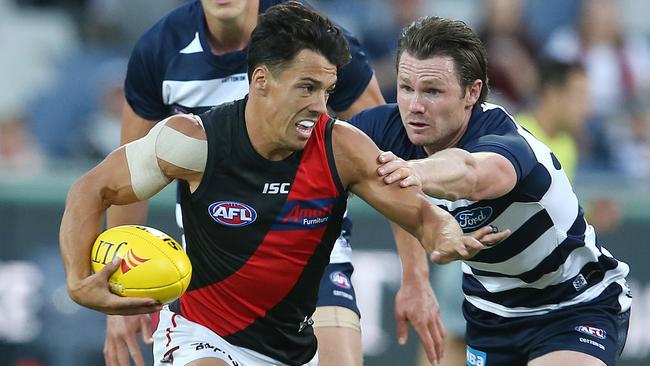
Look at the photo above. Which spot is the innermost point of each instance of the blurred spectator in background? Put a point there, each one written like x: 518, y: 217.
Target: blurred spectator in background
x: 32, y: 44
x: 634, y: 155
x: 560, y: 111
x: 380, y: 41
x: 512, y: 74
x: 543, y: 17
x: 65, y: 119
x: 18, y: 153
x: 557, y: 119
x: 104, y: 123
x: 617, y: 65
x: 79, y: 122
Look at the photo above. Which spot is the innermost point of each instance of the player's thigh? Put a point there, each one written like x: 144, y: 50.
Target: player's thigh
x: 566, y: 358
x: 208, y: 362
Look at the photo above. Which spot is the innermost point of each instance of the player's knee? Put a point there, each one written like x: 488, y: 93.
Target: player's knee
x: 336, y: 316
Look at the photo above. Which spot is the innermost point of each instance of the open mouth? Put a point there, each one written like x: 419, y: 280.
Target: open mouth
x: 306, y: 124
x: 305, y: 127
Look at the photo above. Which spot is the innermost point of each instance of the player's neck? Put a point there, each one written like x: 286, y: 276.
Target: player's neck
x: 545, y: 120
x: 232, y: 35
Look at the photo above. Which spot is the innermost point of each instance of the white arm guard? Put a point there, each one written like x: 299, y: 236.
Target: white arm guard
x: 165, y: 143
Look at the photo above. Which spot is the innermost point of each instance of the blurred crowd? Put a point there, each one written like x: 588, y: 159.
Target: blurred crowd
x: 64, y: 64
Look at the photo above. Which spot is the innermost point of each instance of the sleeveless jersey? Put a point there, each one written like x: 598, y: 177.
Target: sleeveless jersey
x: 172, y: 70
x: 259, y: 235
x: 552, y: 260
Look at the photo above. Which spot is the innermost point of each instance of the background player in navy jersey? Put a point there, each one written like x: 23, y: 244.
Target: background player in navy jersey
x: 191, y: 60
x: 550, y: 294
x: 254, y: 286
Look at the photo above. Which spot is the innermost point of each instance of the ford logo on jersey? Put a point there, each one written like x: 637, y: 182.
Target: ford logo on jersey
x: 471, y: 219
x: 232, y: 213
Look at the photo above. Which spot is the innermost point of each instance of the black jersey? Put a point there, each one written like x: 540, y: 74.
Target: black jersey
x: 259, y: 236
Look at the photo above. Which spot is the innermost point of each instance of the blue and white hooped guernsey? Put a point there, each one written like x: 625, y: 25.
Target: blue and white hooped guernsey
x: 172, y: 70
x: 552, y: 260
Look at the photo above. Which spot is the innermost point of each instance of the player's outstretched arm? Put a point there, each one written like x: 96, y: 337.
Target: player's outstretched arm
x: 438, y: 232
x: 175, y: 148
x: 453, y: 174
x: 415, y: 301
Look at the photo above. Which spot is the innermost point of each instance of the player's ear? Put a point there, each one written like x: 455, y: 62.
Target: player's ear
x: 260, y: 80
x: 473, y: 92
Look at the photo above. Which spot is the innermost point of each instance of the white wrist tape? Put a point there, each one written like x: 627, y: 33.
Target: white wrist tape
x: 165, y: 143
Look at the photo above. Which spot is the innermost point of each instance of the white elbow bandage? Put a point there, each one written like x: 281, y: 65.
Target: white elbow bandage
x: 164, y: 143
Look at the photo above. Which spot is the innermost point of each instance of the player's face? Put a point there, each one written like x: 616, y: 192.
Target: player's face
x: 434, y: 108
x: 226, y: 10
x: 299, y: 95
x: 574, y: 101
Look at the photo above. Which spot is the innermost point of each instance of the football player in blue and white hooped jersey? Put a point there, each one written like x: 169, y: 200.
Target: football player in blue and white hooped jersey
x: 192, y: 60
x: 549, y: 294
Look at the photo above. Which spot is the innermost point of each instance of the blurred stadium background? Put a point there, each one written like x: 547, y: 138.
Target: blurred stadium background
x: 63, y: 64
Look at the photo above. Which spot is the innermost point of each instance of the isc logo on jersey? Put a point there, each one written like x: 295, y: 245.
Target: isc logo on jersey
x: 232, y: 213
x: 276, y: 188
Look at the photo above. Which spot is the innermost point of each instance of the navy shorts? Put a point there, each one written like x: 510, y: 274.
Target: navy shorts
x: 596, y: 330
x: 336, y: 287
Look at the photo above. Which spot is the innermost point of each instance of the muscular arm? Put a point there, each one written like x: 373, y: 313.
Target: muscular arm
x: 371, y: 97
x: 415, y: 301
x: 112, y: 183
x: 355, y: 157
x: 454, y: 174
x: 133, y: 128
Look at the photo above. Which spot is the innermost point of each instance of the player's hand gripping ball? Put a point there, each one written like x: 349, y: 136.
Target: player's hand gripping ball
x: 152, y: 263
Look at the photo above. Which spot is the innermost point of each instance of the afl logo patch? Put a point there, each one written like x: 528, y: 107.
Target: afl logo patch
x: 340, y: 279
x: 232, y: 213
x: 471, y: 219
x: 592, y: 331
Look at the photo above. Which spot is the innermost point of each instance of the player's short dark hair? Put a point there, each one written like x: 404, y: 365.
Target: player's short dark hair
x: 288, y: 28
x: 556, y: 73
x: 434, y: 36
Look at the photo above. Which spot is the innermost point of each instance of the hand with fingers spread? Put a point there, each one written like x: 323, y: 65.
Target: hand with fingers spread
x: 121, y: 342
x: 394, y: 169
x: 416, y: 303
x: 93, y: 292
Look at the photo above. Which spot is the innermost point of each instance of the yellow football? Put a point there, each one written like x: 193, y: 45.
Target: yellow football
x: 152, y: 263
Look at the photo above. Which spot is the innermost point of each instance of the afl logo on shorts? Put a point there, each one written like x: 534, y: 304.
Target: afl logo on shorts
x: 232, y: 213
x: 340, y: 279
